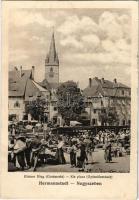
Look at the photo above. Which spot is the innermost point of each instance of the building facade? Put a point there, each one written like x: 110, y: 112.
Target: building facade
x: 107, y: 103
x: 22, y: 90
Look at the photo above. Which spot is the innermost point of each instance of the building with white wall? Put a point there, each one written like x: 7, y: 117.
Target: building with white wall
x: 103, y: 96
x: 23, y: 89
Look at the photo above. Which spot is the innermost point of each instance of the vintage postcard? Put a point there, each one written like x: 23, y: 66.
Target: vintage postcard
x: 69, y: 100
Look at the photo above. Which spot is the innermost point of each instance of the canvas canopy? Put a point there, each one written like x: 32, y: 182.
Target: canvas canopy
x: 74, y: 123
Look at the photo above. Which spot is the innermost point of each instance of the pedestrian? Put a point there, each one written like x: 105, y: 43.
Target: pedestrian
x: 28, y: 152
x: 91, y: 150
x: 87, y: 143
x: 107, y: 152
x: 19, y: 151
x: 60, y: 153
x: 73, y: 150
x: 82, y: 157
x: 13, y: 130
x: 11, y: 144
x: 115, y: 149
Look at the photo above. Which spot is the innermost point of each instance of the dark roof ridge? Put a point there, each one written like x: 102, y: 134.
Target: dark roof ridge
x: 25, y: 88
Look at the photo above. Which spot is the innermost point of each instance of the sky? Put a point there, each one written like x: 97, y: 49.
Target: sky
x: 89, y: 42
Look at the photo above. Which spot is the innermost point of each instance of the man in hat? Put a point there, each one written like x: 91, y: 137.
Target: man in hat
x: 89, y: 148
x: 19, y: 151
x: 82, y: 155
x: 28, y: 152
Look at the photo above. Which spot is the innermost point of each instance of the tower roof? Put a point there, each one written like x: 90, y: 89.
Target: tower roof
x: 52, y: 56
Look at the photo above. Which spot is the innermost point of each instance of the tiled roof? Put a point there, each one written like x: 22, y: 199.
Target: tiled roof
x: 40, y: 88
x: 103, y: 87
x: 45, y: 84
x: 33, y: 89
x: 109, y: 84
x: 93, y: 91
x: 48, y: 85
x: 121, y: 85
x: 17, y: 84
x: 24, y: 86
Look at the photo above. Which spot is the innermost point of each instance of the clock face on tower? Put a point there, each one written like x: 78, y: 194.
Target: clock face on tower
x: 51, y: 73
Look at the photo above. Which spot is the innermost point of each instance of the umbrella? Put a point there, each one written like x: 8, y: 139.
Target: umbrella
x: 74, y: 123
x: 38, y: 124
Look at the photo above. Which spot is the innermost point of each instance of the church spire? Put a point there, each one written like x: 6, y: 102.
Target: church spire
x: 52, y: 63
x: 52, y: 57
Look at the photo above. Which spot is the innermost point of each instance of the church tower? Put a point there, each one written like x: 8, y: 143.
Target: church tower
x: 52, y: 64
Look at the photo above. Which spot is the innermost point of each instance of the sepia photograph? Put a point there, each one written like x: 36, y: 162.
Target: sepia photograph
x: 69, y: 100
x: 69, y: 90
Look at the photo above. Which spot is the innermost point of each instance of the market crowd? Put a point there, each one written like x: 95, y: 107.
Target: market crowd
x: 26, y: 152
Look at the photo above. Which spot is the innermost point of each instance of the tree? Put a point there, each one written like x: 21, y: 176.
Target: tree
x: 112, y: 117
x: 108, y: 116
x: 36, y: 109
x: 70, y: 101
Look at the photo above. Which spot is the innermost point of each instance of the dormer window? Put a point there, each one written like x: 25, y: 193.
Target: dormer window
x: 17, y: 104
x: 51, y: 74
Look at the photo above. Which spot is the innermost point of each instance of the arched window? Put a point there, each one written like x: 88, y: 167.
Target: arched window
x: 51, y: 74
x: 17, y: 104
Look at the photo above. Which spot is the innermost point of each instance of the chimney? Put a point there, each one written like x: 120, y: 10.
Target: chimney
x: 33, y: 71
x: 102, y: 81
x: 115, y: 80
x: 20, y: 71
x: 90, y: 82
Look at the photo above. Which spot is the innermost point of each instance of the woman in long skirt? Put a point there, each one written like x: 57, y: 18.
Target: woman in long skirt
x: 107, y: 153
x: 73, y: 150
x: 60, y: 153
x: 83, y: 156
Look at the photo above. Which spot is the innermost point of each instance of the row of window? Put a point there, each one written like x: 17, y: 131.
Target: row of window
x: 123, y: 92
x: 17, y: 105
x: 87, y: 104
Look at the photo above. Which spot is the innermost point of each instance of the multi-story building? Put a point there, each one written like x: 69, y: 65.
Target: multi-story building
x: 23, y: 89
x: 107, y: 103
